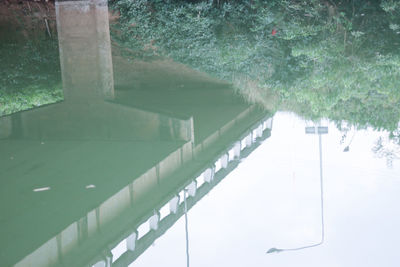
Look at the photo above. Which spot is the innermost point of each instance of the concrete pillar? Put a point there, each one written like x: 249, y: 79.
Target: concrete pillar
x: 209, y: 174
x: 224, y: 160
x: 100, y: 264
x: 249, y: 140
x: 131, y: 241
x: 236, y: 150
x: 85, y: 49
x: 154, y: 220
x: 174, y: 204
x: 176, y: 129
x: 259, y: 131
x: 191, y: 188
x: 268, y: 124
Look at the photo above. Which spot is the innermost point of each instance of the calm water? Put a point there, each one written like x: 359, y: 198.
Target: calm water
x: 153, y: 163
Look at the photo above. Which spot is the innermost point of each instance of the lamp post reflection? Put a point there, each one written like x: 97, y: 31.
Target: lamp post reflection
x: 186, y: 228
x: 320, y: 131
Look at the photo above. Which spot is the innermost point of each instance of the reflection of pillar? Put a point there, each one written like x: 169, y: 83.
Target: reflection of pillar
x: 85, y: 49
x: 5, y: 127
x: 131, y: 241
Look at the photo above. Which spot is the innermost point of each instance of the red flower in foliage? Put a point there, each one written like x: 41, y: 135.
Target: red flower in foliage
x: 273, y: 32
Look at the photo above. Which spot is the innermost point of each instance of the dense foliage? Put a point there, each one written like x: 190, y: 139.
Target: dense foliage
x: 319, y: 58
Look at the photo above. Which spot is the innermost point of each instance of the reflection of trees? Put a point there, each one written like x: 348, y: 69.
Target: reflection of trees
x: 345, y: 139
x: 338, y: 60
x: 388, y: 148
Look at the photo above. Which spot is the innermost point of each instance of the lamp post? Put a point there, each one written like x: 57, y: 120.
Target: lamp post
x: 320, y: 130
